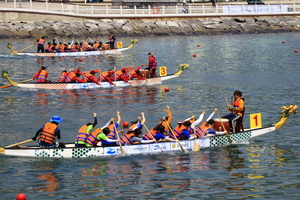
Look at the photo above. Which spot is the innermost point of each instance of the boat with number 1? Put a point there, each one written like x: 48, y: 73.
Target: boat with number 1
x: 153, y: 148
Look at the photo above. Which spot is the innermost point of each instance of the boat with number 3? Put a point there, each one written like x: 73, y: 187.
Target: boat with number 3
x: 187, y: 145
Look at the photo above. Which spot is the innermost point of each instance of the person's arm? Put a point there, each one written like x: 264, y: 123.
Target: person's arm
x: 109, y: 80
x: 57, y: 133
x: 140, y: 140
x: 169, y: 113
x: 187, y: 134
x: 37, y: 134
x: 95, y: 119
x: 123, y: 78
x: 195, y: 123
x: 93, y: 79
x: 118, y: 117
x: 101, y: 136
x: 139, y: 67
x: 108, y: 123
x: 210, y: 116
x: 76, y: 79
x: 36, y: 75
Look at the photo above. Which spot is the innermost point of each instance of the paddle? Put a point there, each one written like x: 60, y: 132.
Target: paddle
x: 6, y: 86
x: 19, y: 143
x: 228, y: 137
x: 226, y: 102
x: 175, y: 136
x: 153, y: 138
x: 25, y: 48
x: 121, y: 147
x: 196, y: 145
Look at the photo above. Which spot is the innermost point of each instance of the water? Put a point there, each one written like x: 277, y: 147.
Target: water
x: 261, y: 66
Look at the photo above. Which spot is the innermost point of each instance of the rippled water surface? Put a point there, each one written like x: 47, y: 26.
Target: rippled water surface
x: 263, y: 67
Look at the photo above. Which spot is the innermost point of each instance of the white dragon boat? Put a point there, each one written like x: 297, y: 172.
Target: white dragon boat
x: 77, y: 53
x: 153, y: 148
x: 92, y: 85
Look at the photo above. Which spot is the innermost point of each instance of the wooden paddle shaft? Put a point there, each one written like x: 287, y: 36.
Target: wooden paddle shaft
x: 19, y: 143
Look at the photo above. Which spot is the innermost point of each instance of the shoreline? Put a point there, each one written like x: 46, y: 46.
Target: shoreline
x: 149, y: 27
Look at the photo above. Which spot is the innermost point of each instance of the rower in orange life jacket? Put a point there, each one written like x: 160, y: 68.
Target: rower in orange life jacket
x: 113, y: 130
x: 132, y: 136
x: 63, y: 76
x: 105, y: 77
x: 49, y: 48
x: 97, y: 136
x: 84, y: 132
x: 40, y: 45
x: 181, y: 131
x: 166, y: 121
x: 48, y: 132
x: 158, y: 134
x: 237, y: 109
x: 90, y: 77
x: 73, y: 77
x: 121, y: 75
x: 134, y: 73
x: 152, y: 65
x: 41, y: 75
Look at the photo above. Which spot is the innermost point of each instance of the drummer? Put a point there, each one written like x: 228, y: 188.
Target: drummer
x: 206, y: 127
x: 237, y: 109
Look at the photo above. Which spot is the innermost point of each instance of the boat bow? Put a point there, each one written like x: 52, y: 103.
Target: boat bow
x: 5, y: 75
x: 285, y: 114
x: 182, y: 67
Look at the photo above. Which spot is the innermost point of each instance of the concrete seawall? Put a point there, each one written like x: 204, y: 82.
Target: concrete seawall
x: 79, y: 28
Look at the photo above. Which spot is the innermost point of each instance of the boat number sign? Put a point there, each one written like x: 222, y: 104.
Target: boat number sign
x: 255, y: 120
x: 119, y: 45
x: 163, y: 71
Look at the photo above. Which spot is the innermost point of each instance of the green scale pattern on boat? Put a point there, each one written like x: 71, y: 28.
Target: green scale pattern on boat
x: 223, y: 140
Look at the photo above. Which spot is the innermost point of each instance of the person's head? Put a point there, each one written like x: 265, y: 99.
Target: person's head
x: 106, y: 130
x: 137, y: 132
x: 237, y: 94
x: 65, y: 71
x: 56, y: 119
x: 93, y: 72
x: 123, y: 71
x: 43, y: 67
x: 77, y: 74
x: 160, y: 128
x: 76, y: 43
x: 43, y: 37
x: 210, y: 122
x: 88, y: 124
x: 187, y: 124
x: 111, y: 33
x: 149, y: 54
x: 49, y: 43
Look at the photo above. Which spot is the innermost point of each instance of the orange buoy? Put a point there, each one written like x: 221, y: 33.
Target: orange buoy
x: 125, y: 124
x: 79, y: 59
x: 296, y: 51
x: 198, y: 45
x: 167, y: 89
x: 194, y: 55
x: 283, y: 41
x: 21, y: 197
x: 155, y: 10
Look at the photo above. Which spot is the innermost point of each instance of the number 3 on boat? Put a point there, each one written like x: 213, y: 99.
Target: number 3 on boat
x: 255, y: 120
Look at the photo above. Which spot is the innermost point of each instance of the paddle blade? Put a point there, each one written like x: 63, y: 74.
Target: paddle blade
x: 122, y: 150
x: 196, y: 146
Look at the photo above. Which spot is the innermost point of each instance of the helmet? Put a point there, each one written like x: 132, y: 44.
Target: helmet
x: 56, y: 118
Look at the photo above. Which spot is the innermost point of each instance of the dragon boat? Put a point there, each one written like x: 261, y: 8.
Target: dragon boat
x: 92, y: 85
x: 104, y: 50
x: 70, y: 151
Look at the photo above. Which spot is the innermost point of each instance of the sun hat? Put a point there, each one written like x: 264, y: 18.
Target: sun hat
x: 56, y: 118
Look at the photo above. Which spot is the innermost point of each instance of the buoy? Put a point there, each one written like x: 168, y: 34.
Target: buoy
x: 125, y: 124
x: 295, y: 51
x: 283, y: 41
x: 194, y: 55
x: 21, y: 197
x: 198, y: 45
x: 79, y: 59
x: 167, y: 89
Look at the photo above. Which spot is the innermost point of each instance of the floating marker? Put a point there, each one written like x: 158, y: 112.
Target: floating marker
x: 194, y: 55
x: 125, y: 124
x: 21, y: 197
x: 167, y: 89
x: 296, y: 51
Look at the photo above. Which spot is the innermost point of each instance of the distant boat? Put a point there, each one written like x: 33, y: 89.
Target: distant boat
x: 92, y: 85
x: 105, y: 50
x: 187, y: 145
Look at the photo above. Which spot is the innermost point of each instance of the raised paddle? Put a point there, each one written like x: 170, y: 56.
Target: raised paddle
x: 175, y: 136
x: 196, y: 145
x: 228, y: 137
x: 121, y: 147
x: 6, y: 86
x: 153, y: 138
x: 19, y: 143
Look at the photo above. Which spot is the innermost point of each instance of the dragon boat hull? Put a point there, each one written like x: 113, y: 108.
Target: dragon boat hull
x: 72, y: 86
x: 78, y: 53
x: 71, y: 152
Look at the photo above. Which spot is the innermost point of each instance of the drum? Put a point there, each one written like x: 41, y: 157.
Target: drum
x: 218, y: 126
x: 144, y: 73
x: 105, y: 46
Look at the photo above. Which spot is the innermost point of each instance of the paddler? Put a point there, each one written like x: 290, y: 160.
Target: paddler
x: 49, y: 132
x: 40, y: 45
x: 113, y: 130
x: 84, y: 132
x: 41, y: 75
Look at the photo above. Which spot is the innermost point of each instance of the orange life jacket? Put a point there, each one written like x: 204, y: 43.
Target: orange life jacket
x: 202, y: 130
x: 125, y: 139
x: 48, y: 133
x: 152, y: 62
x: 96, y: 46
x: 82, y: 133
x: 102, y: 76
x: 116, y: 75
x: 41, y: 41
x: 42, y: 76
x: 87, y: 75
x: 49, y: 48
x: 70, y: 77
x: 236, y: 104
x: 177, y: 131
x: 150, y: 135
x: 112, y: 134
x: 62, y: 77
x: 92, y: 138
